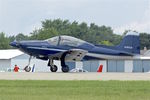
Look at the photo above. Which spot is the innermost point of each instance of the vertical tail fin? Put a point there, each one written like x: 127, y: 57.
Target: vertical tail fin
x: 130, y: 43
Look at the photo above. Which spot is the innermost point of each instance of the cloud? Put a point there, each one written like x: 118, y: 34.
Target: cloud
x: 142, y: 25
x: 23, y: 16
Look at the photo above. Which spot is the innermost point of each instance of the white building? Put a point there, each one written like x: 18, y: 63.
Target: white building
x: 6, y: 57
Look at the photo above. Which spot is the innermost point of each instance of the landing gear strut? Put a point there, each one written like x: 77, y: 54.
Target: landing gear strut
x: 28, y: 68
x: 53, y: 67
x: 64, y: 68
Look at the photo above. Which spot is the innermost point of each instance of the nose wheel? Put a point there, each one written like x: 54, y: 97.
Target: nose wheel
x: 27, y: 69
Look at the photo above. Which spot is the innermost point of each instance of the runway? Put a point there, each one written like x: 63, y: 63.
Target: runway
x: 73, y: 76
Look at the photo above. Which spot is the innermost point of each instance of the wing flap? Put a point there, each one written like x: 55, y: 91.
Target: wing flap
x: 75, y: 55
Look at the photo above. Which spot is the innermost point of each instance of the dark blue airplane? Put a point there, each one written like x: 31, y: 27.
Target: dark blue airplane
x: 67, y: 48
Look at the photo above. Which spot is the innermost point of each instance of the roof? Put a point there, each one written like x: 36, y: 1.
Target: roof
x: 142, y: 52
x: 147, y: 53
x: 10, y: 53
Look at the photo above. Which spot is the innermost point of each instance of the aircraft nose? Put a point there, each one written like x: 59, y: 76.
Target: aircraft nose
x: 14, y: 44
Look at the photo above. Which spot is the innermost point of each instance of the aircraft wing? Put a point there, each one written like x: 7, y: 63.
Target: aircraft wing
x: 72, y: 55
x: 75, y: 55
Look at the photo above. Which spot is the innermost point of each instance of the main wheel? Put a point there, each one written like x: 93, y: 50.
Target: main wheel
x: 27, y: 69
x: 54, y: 68
x: 65, y: 69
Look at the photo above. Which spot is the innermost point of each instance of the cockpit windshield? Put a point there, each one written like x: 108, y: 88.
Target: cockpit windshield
x: 66, y: 40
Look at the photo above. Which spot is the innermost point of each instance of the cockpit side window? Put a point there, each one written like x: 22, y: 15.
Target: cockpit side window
x: 70, y: 41
x: 53, y: 41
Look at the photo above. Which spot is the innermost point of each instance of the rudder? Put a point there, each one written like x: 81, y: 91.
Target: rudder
x: 130, y: 43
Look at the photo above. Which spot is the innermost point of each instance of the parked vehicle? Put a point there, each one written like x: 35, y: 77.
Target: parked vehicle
x: 78, y: 70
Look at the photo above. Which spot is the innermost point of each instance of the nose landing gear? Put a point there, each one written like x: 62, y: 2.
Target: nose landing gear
x: 28, y: 68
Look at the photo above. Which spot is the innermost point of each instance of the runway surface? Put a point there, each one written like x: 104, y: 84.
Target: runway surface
x: 73, y: 76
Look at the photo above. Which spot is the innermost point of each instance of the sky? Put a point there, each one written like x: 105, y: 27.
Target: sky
x: 24, y: 16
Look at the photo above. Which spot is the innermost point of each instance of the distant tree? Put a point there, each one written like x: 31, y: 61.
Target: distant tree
x: 105, y: 42
x: 21, y: 36
x: 4, y: 41
x: 93, y: 33
x: 145, y: 40
x: 43, y: 34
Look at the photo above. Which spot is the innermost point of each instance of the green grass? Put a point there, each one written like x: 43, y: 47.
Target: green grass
x: 74, y: 90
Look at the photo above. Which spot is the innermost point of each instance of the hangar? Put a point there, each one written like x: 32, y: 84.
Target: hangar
x: 141, y: 63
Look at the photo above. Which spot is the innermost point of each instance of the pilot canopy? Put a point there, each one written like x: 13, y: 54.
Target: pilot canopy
x: 66, y: 40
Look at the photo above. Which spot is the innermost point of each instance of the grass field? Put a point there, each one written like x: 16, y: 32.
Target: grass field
x: 74, y: 90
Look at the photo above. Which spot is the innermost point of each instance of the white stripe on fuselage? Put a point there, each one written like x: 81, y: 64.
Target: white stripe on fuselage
x: 42, y: 48
x: 103, y: 56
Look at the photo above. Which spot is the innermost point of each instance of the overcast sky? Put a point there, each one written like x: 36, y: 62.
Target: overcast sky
x: 23, y: 16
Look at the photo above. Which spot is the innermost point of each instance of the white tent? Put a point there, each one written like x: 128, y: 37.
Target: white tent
x: 8, y: 54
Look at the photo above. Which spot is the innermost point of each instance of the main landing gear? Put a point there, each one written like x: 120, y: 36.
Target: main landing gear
x: 28, y: 68
x: 64, y: 68
x: 54, y: 68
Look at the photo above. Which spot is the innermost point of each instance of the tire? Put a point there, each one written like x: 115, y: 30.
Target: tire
x: 65, y: 69
x: 54, y: 68
x: 27, y: 69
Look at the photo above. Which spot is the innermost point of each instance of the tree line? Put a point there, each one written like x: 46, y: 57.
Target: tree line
x: 91, y: 33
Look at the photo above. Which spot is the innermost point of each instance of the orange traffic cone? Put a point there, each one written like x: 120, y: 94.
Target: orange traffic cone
x: 100, y: 68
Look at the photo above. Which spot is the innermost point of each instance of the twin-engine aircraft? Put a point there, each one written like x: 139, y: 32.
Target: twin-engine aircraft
x: 67, y: 48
